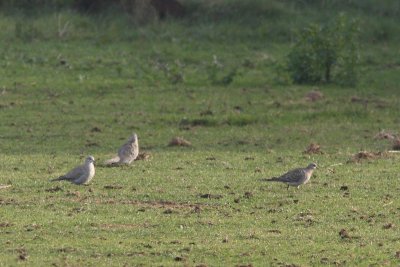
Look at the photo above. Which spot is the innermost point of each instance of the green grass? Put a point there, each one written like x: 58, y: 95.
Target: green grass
x: 62, y: 99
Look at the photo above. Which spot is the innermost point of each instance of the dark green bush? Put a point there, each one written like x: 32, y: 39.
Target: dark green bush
x: 31, y: 4
x: 326, y: 53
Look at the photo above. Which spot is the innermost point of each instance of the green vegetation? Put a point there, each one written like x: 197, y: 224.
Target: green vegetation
x: 326, y: 54
x: 75, y: 84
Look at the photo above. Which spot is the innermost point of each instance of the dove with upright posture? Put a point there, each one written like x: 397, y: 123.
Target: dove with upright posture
x: 295, y: 177
x: 81, y: 174
x: 127, y: 153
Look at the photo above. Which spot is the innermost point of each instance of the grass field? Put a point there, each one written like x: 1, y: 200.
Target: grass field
x: 214, y: 79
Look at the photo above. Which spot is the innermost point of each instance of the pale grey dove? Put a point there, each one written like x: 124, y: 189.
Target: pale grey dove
x: 295, y: 177
x: 127, y: 153
x: 81, y: 174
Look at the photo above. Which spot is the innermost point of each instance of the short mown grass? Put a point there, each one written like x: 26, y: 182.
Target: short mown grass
x: 62, y: 99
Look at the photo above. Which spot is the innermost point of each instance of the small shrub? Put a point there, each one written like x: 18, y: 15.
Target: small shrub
x: 141, y: 11
x: 241, y: 120
x: 218, y: 74
x: 326, y: 53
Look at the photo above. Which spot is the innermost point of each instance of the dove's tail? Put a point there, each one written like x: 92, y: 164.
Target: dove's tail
x: 59, y: 179
x: 112, y: 161
x: 273, y: 179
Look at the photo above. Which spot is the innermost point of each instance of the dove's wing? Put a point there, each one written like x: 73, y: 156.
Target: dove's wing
x: 293, y: 176
x: 128, y: 152
x: 83, y: 178
x: 75, y: 173
x: 87, y: 174
x: 125, y: 151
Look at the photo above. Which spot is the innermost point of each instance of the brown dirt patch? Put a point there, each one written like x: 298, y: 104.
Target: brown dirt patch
x: 385, y: 135
x: 366, y: 155
x: 396, y: 144
x: 313, y: 148
x: 344, y: 234
x: 143, y: 156
x: 195, y: 207
x: 210, y: 196
x: 54, y: 189
x: 314, y: 96
x: 5, y: 224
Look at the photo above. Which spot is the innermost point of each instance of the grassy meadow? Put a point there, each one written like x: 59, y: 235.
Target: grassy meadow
x: 76, y: 84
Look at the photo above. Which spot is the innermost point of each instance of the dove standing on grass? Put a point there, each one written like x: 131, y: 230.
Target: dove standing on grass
x: 81, y: 174
x: 127, y: 153
x: 296, y: 177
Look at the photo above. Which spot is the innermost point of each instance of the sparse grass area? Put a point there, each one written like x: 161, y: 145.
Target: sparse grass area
x: 212, y: 79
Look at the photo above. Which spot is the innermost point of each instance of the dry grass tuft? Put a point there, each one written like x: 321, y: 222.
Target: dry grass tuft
x: 179, y: 141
